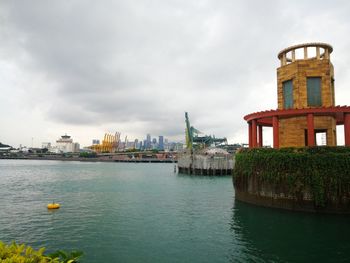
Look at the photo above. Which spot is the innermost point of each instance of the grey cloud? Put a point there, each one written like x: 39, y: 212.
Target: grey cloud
x: 149, y: 61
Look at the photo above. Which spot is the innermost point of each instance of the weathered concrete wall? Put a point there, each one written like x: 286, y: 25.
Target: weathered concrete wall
x: 251, y: 190
x: 205, y: 164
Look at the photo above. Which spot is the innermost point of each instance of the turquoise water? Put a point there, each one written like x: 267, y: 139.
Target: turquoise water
x: 118, y: 212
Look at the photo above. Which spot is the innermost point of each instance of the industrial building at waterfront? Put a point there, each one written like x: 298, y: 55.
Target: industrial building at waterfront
x: 65, y: 144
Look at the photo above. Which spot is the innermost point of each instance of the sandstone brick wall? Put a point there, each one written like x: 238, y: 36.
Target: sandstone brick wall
x: 298, y: 72
x: 292, y: 130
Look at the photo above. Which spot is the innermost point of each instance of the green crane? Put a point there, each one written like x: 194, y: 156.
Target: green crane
x: 191, y: 132
x: 195, y: 141
x: 189, y: 136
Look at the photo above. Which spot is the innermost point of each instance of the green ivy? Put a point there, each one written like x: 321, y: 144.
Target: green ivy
x: 324, y: 171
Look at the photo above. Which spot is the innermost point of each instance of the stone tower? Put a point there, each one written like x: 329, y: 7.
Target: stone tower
x: 305, y: 79
x: 306, y: 105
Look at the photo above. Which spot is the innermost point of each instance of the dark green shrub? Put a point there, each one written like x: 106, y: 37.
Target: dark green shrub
x: 88, y: 154
x: 66, y: 257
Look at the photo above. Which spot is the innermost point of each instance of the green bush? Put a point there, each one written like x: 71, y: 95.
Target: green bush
x: 324, y: 171
x: 88, y: 154
x: 25, y: 254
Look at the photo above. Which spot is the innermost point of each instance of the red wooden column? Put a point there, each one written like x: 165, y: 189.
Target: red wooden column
x: 310, y: 130
x: 347, y: 128
x: 250, y: 134
x: 254, y: 134
x: 276, y: 143
x: 260, y: 136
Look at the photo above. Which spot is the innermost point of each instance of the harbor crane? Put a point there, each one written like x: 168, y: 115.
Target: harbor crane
x: 110, y: 144
x: 193, y: 140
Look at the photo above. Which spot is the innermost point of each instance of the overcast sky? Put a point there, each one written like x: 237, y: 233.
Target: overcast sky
x: 89, y: 67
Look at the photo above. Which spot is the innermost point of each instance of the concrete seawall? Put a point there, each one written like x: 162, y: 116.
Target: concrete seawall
x: 251, y: 190
x: 206, y: 164
x: 81, y: 159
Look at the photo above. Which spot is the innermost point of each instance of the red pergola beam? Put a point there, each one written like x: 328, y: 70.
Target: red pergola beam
x: 310, y: 130
x: 271, y: 118
x: 265, y: 117
x: 275, y: 125
x: 347, y: 129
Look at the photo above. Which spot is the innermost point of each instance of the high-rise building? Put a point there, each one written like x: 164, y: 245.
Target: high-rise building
x: 154, y: 145
x: 136, y: 144
x: 161, y: 143
x: 140, y: 146
x: 95, y: 141
x: 148, y: 142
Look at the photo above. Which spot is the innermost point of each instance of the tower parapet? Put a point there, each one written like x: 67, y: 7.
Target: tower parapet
x: 289, y: 54
x: 307, y: 81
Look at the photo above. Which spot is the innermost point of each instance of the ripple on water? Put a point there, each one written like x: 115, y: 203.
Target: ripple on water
x: 145, y: 213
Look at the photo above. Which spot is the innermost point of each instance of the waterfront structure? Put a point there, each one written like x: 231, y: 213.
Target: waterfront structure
x: 314, y: 179
x: 66, y: 145
x: 49, y: 147
x: 201, y: 156
x: 4, y: 148
x: 306, y: 101
x: 46, y: 145
x: 208, y: 161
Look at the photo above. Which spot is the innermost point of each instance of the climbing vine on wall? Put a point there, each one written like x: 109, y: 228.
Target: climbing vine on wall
x: 323, y: 171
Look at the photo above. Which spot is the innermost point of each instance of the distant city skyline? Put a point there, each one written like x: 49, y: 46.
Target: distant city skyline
x: 86, y: 68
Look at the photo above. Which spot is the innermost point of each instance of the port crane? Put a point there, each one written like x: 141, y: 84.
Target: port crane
x: 193, y: 140
x: 110, y: 144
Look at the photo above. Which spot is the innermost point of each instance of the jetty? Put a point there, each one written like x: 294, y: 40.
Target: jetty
x: 202, y: 155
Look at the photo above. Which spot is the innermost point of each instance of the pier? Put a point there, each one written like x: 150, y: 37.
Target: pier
x: 206, y: 162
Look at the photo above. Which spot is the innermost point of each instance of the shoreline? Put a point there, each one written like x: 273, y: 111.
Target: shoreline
x: 82, y: 159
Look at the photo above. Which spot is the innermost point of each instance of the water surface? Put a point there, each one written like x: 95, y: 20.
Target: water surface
x: 118, y: 212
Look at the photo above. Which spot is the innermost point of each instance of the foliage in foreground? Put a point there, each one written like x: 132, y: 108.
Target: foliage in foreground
x: 15, y: 253
x: 324, y: 171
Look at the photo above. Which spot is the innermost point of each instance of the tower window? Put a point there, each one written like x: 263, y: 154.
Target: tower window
x: 288, y: 94
x: 314, y: 91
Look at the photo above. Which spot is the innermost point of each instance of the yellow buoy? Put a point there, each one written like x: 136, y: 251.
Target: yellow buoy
x: 53, y: 206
